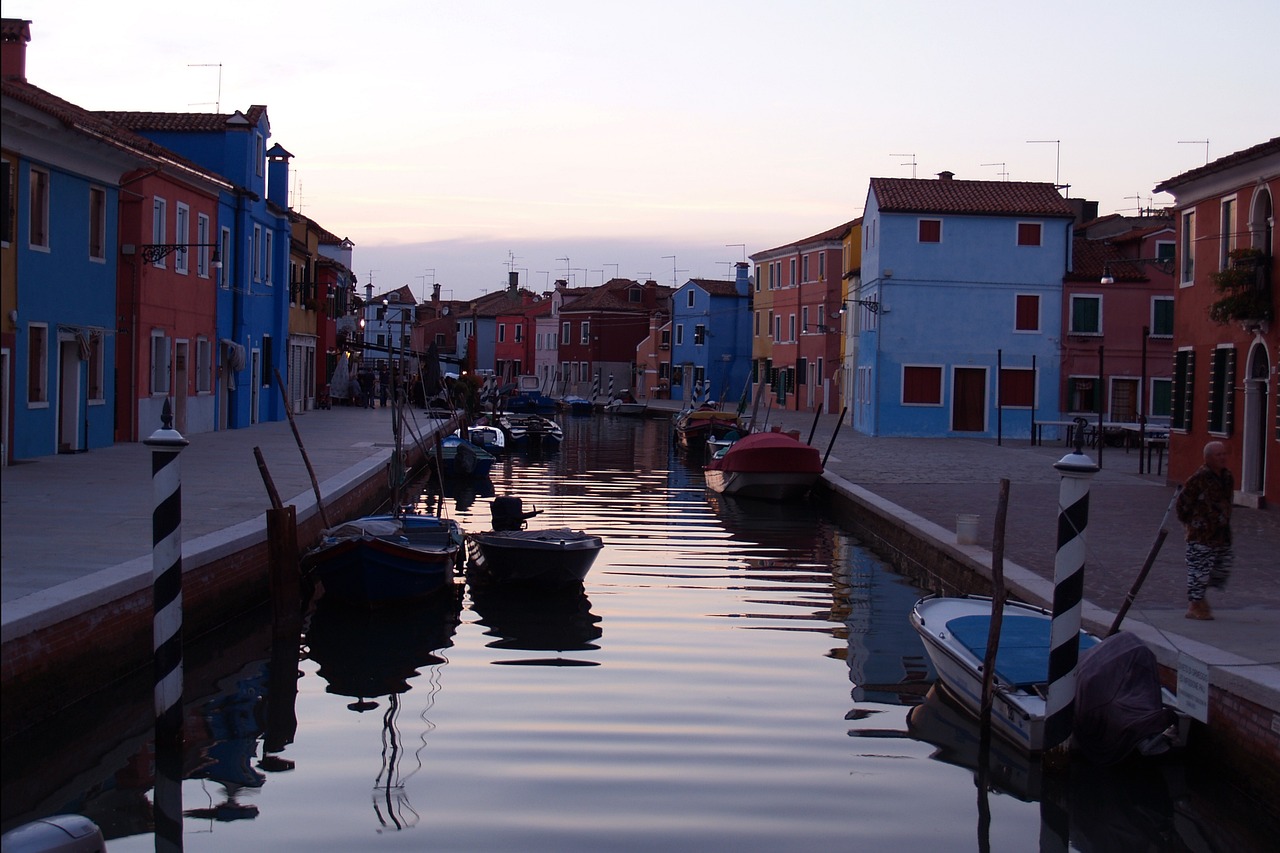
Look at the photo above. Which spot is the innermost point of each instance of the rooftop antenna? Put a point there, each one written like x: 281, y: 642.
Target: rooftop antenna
x: 511, y: 260
x: 1057, y: 162
x: 675, y: 273
x: 742, y: 246
x: 546, y: 282
x: 1003, y: 173
x: 1203, y: 142
x: 566, y: 268
x: 217, y: 104
x: 911, y: 162
x: 615, y: 268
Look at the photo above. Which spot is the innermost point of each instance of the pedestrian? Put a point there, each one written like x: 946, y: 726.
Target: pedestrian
x: 366, y: 389
x: 1204, y: 508
x: 382, y: 390
x: 379, y: 391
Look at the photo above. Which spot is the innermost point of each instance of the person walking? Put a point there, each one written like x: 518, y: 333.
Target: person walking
x: 1204, y: 508
x: 383, y: 382
x: 379, y: 391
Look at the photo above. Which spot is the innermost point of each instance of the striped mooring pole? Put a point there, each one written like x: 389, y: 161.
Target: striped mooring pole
x: 166, y: 576
x: 1077, y: 469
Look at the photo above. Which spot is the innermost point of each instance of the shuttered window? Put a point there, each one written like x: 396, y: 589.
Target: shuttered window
x: 1221, y: 385
x: 921, y: 386
x: 1184, y: 362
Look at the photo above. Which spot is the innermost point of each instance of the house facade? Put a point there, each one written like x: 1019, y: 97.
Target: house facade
x: 600, y: 330
x: 1226, y: 382
x: 962, y: 290
x: 711, y: 337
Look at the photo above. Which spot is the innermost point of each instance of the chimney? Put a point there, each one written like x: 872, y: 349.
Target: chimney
x: 14, y: 35
x: 278, y: 175
x: 945, y: 175
x: 435, y: 293
x: 742, y: 279
x: 513, y: 281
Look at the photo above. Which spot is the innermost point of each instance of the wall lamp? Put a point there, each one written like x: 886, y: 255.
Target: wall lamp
x: 1165, y: 265
x: 153, y: 252
x: 872, y: 305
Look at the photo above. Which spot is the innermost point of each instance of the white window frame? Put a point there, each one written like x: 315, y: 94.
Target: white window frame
x: 256, y: 251
x: 223, y: 273
x: 268, y: 256
x: 566, y: 334
x: 38, y: 213
x: 38, y: 355
x: 181, y: 236
x: 923, y: 219
x: 161, y: 367
x: 204, y: 365
x: 96, y: 369
x: 159, y: 225
x: 689, y: 297
x: 1187, y: 265
x: 97, y: 223
x: 202, y: 237
x: 1152, y: 324
x: 1071, y: 314
x: 1017, y: 231
x: 584, y: 333
x: 942, y: 388
x: 679, y: 334
x: 1227, y: 216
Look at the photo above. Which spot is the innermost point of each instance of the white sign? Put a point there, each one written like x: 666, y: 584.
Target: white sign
x: 1193, y: 688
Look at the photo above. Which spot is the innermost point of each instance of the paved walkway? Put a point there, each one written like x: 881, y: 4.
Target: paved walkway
x: 67, y: 516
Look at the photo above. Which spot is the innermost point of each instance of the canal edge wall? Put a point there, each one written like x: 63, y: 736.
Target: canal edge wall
x: 1242, y: 736
x: 63, y: 644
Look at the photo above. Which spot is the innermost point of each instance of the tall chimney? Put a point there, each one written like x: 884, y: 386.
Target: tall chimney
x: 513, y: 281
x: 14, y: 35
x: 945, y: 175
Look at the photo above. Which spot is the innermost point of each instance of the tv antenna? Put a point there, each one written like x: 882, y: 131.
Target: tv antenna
x: 1003, y: 173
x: 911, y: 162
x: 217, y: 104
x: 1057, y: 160
x: 1203, y: 142
x: 742, y: 246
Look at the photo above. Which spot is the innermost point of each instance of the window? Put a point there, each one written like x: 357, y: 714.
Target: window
x: 792, y: 280
x: 690, y: 297
x: 791, y: 327
x: 635, y: 294
x: 1222, y: 377
x: 804, y: 319
x: 38, y: 363
x: 1162, y: 317
x: 585, y: 332
x: 699, y: 334
x: 202, y: 237
x: 1086, y: 315
x: 258, y: 155
x: 1082, y: 394
x: 204, y: 365
x: 930, y: 230
x: 664, y: 339
x: 777, y: 328
x: 1029, y: 233
x: 159, y: 217
x: 268, y: 259
x: 268, y: 362
x: 1017, y: 387
x: 921, y: 386
x: 822, y: 265
x: 1182, y: 394
x: 382, y: 340
x: 97, y: 369
x: 39, y: 213
x: 518, y: 330
x: 679, y: 334
x: 502, y: 333
x: 7, y: 206
x: 182, y: 236
x: 1027, y: 313
x: 1161, y: 390
x: 97, y: 223
x: 804, y: 266
x: 1188, y: 246
x: 255, y: 251
x: 564, y: 333
x: 1165, y: 251
x: 1228, y: 243
x: 224, y: 248
x: 159, y: 362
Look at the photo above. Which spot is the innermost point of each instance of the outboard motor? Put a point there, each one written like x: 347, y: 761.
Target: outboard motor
x: 63, y: 833
x: 508, y: 513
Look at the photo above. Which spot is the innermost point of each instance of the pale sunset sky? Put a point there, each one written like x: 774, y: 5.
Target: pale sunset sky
x: 584, y: 139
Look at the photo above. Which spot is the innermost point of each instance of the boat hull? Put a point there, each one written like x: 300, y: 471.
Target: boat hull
x: 557, y: 556
x: 766, y: 465
x: 372, y: 569
x: 766, y: 485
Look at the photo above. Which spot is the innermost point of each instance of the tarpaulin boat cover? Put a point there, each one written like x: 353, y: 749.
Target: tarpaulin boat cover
x: 769, y: 452
x: 1118, y: 700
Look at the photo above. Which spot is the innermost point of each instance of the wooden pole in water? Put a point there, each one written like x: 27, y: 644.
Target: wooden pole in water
x: 306, y: 460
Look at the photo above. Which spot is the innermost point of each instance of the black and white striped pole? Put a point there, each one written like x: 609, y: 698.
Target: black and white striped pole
x: 1077, y: 469
x: 166, y: 576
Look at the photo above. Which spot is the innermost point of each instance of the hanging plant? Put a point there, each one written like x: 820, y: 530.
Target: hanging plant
x: 1245, y: 291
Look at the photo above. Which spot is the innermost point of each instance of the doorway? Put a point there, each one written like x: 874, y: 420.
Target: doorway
x: 1124, y: 400
x: 180, y: 386
x: 68, y: 395
x: 969, y: 399
x: 255, y: 385
x: 1254, y: 464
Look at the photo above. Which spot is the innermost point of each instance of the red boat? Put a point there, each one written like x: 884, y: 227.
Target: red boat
x: 768, y: 465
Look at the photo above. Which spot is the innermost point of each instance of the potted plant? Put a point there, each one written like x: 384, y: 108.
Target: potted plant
x: 1243, y: 288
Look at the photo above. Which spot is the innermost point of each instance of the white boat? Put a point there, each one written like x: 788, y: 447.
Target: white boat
x: 767, y: 465
x: 1120, y: 707
x: 627, y: 405
x: 488, y: 436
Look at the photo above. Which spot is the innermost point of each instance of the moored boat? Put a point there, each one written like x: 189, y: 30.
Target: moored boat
x: 530, y: 432
x: 381, y: 560
x: 625, y: 404
x: 575, y: 405
x: 693, y: 428
x: 460, y: 457
x: 488, y: 436
x: 767, y: 465
x: 511, y: 554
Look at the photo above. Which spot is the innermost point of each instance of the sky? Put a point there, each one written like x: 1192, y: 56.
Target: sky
x: 455, y: 141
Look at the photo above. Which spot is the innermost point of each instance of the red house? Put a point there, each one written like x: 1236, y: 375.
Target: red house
x: 1226, y: 382
x: 600, y: 330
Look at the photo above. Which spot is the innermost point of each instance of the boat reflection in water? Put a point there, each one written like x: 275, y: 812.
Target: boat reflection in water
x: 366, y: 655
x: 539, y: 619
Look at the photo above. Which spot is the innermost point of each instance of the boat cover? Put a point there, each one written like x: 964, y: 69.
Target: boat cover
x: 771, y: 452
x: 365, y: 527
x: 1118, y: 702
x: 1023, y: 656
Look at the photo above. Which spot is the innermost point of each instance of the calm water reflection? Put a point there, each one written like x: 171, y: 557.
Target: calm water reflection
x: 733, y: 675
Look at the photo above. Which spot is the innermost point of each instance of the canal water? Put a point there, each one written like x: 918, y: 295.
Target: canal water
x: 732, y: 676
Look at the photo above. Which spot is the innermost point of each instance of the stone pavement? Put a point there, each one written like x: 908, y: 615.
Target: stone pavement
x: 67, y: 517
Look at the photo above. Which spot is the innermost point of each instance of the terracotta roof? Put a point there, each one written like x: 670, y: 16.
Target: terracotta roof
x: 975, y: 198
x: 830, y: 235
x: 1271, y: 146
x: 15, y: 30
x: 94, y: 124
x: 1138, y: 234
x: 1090, y: 258
x: 716, y: 286
x: 186, y: 122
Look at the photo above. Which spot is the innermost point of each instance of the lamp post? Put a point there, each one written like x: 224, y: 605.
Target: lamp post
x: 155, y: 252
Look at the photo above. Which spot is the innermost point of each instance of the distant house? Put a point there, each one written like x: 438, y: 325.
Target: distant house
x: 1226, y: 326
x: 961, y: 306
x: 600, y: 328
x: 388, y: 323
x: 711, y: 347
x: 1117, y: 336
x: 797, y: 343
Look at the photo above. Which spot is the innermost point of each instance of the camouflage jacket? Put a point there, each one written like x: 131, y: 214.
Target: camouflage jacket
x: 1204, y: 507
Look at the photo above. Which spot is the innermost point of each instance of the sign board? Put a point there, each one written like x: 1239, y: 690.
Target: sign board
x: 1193, y: 688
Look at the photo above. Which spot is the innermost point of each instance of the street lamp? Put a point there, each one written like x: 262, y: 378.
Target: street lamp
x: 155, y: 252
x: 1165, y: 265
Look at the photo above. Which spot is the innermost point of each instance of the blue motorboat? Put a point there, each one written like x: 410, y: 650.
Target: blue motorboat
x: 462, y: 458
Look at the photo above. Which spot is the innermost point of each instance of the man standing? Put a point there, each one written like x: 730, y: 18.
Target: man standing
x: 1204, y: 508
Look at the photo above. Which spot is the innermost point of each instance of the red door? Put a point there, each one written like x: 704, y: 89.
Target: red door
x: 969, y: 399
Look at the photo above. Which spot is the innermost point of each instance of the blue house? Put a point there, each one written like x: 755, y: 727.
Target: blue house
x: 253, y: 245
x: 959, y: 308
x: 711, y: 337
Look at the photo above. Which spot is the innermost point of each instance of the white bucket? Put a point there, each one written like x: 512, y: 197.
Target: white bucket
x: 966, y: 529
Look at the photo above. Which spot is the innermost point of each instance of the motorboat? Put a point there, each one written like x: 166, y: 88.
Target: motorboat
x: 694, y: 427
x: 625, y: 403
x: 529, y: 397
x: 512, y: 554
x: 488, y: 436
x: 955, y: 631
x: 381, y: 560
x: 461, y: 458
x: 576, y: 405
x: 530, y: 431
x: 774, y: 466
